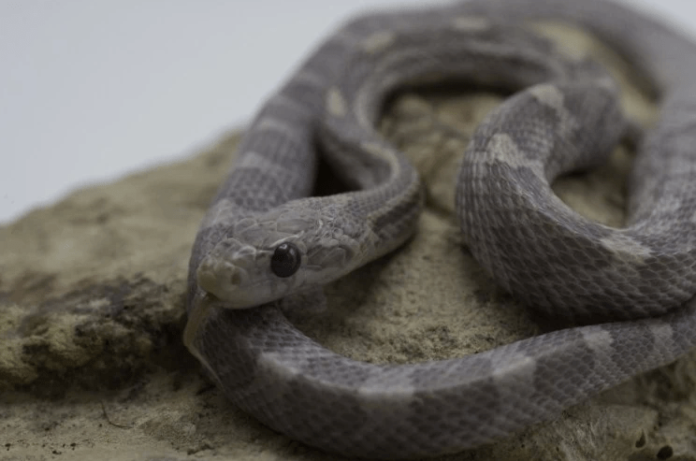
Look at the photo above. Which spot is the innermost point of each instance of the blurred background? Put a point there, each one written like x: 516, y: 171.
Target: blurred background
x: 90, y: 91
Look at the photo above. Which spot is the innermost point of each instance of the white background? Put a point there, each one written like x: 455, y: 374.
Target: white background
x: 91, y: 90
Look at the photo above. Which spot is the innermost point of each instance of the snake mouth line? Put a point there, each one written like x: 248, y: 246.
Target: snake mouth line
x: 221, y: 278
x: 233, y: 287
x: 221, y: 287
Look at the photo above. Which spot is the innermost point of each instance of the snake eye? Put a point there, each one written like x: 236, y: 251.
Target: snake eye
x: 285, y: 260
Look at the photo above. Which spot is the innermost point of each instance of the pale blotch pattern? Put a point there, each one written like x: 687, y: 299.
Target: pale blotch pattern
x: 514, y: 376
x: 371, y: 393
x: 377, y: 149
x: 378, y: 42
x: 662, y: 332
x: 551, y: 96
x: 270, y: 360
x: 625, y: 248
x: 277, y: 125
x: 335, y: 103
x: 471, y: 23
x: 502, y: 149
x: 252, y: 159
x: 376, y: 384
x: 599, y: 341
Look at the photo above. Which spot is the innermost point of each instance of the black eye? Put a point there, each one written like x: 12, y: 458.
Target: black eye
x: 285, y: 260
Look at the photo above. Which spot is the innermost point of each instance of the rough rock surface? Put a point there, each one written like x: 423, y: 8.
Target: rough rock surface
x: 91, y: 312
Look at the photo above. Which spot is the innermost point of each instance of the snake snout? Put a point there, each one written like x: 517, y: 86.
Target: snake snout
x: 221, y: 279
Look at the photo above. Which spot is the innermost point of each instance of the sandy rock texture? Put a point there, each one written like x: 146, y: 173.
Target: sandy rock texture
x: 92, y: 364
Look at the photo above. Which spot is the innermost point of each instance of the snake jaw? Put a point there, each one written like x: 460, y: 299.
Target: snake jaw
x: 220, y: 278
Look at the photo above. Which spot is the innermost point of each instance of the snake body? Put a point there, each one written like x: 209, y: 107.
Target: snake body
x: 264, y: 239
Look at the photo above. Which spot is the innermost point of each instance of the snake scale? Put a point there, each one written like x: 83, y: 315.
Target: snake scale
x: 264, y: 238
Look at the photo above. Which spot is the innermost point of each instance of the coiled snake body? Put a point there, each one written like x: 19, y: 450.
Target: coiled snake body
x: 262, y: 241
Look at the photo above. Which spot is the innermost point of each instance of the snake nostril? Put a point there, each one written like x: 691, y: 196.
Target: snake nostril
x: 235, y: 277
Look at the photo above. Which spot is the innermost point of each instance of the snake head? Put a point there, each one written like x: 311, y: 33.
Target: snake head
x: 288, y: 250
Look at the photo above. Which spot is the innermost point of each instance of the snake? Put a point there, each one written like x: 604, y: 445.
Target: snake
x: 267, y: 243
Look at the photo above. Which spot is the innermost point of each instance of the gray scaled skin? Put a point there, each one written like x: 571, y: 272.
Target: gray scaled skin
x: 635, y: 283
